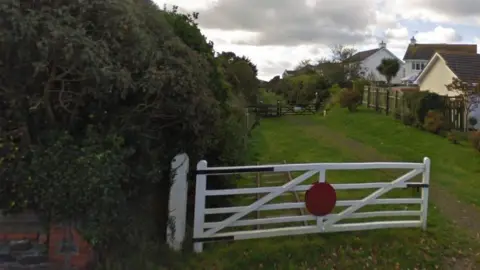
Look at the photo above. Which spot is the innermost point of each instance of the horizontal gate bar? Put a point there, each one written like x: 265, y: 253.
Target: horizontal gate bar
x: 290, y: 219
x: 299, y: 230
x: 311, y: 167
x: 255, y: 190
x: 284, y: 206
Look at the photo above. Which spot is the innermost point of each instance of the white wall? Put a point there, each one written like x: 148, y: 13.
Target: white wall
x: 370, y: 65
x: 435, y: 80
x: 437, y: 77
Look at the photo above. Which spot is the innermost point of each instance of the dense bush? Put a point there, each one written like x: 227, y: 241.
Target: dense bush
x: 475, y: 139
x: 96, y: 99
x: 420, y: 103
x: 408, y: 119
x: 350, y: 99
x: 452, y: 137
x: 359, y: 85
x: 434, y: 122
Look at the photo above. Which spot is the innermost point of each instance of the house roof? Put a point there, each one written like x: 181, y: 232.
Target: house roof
x: 426, y: 51
x: 466, y: 66
x: 360, y: 56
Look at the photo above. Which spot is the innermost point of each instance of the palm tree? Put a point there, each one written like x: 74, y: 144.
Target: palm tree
x: 389, y: 68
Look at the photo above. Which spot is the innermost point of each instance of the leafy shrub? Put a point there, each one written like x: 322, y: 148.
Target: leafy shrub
x: 452, y: 137
x: 420, y: 103
x: 350, y: 99
x: 87, y: 133
x: 434, y: 122
x: 408, y: 119
x: 475, y: 139
x: 334, y: 96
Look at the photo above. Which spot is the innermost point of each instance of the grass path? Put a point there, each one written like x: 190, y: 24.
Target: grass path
x: 465, y: 215
x: 317, y: 139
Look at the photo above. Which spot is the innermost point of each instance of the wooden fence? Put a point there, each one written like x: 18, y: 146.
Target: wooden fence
x: 393, y: 102
x: 279, y: 109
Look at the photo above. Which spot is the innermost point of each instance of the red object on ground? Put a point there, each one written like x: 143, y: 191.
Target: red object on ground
x: 320, y: 199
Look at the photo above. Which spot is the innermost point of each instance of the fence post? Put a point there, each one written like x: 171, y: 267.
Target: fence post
x: 387, y: 105
x: 279, y: 108
x: 425, y: 181
x: 376, y: 98
x: 368, y: 95
x: 396, y: 103
x: 177, y: 205
x: 199, y: 215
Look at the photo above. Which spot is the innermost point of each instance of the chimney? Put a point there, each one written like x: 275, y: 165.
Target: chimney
x: 413, y: 41
x: 382, y: 44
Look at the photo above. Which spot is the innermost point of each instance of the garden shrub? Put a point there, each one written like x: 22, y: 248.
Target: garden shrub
x: 420, y: 103
x: 350, y: 99
x: 407, y: 119
x: 333, y: 97
x: 99, y: 98
x: 434, y: 122
x: 475, y: 139
x: 452, y: 137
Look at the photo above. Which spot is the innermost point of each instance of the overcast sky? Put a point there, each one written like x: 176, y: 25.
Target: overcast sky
x: 278, y: 34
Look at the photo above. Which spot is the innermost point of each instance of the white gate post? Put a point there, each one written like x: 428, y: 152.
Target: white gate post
x: 199, y: 216
x: 425, y: 181
x: 177, y: 205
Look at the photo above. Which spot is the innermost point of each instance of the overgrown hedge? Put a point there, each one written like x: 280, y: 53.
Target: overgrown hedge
x: 421, y: 102
x: 96, y: 98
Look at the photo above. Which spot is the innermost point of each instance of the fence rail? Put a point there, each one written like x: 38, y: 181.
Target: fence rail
x: 279, y: 109
x: 394, y: 102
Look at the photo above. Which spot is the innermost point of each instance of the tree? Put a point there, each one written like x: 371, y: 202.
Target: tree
x: 241, y: 74
x: 389, y: 68
x: 470, y: 94
x: 95, y: 101
x: 341, y: 53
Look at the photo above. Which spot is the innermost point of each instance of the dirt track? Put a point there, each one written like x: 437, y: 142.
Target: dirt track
x: 464, y: 215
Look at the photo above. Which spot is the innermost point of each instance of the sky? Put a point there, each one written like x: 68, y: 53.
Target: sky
x: 278, y: 34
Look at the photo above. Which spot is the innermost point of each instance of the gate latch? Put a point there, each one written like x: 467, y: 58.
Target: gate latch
x: 417, y: 186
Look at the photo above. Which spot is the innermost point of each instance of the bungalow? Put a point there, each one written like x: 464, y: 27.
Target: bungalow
x: 369, y: 61
x: 446, y: 65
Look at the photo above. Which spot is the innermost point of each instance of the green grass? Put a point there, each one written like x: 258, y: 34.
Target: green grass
x: 269, y: 97
x: 456, y: 167
x: 307, y: 139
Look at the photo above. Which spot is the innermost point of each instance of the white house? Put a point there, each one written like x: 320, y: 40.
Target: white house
x: 369, y: 61
x: 446, y: 65
x: 417, y: 56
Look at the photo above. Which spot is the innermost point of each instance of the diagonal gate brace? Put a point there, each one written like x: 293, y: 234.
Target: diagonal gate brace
x: 254, y: 206
x: 371, y: 197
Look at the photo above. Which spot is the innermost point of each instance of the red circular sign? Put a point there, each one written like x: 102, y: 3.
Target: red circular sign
x: 320, y: 199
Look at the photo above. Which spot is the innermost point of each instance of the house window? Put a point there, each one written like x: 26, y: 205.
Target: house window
x: 417, y: 65
x: 423, y: 66
x: 413, y: 65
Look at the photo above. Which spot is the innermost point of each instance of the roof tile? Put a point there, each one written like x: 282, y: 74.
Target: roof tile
x: 465, y: 65
x: 426, y: 51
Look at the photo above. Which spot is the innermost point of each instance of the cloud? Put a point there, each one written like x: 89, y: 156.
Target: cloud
x: 293, y: 22
x: 439, y: 35
x: 277, y: 34
x: 457, y: 11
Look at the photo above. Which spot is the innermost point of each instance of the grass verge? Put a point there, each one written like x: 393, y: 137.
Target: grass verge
x: 297, y: 139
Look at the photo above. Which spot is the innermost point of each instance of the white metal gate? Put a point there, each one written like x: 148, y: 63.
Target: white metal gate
x: 210, y: 231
